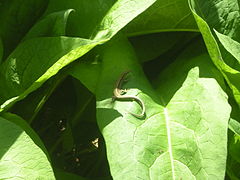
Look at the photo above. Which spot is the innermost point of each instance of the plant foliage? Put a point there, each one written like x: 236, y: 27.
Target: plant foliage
x: 59, y: 64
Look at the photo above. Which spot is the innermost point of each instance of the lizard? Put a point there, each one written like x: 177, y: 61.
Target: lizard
x: 118, y: 93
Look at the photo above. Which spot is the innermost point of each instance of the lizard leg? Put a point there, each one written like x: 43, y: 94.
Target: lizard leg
x: 123, y: 91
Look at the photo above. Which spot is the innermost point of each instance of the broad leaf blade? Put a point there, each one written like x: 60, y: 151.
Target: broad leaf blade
x: 35, y: 61
x: 151, y: 46
x: 231, y: 75
x: 16, y: 18
x: 86, y: 16
x: 173, y: 140
x: 163, y: 16
x: 20, y: 151
x: 56, y: 53
x: 192, y: 111
x: 121, y: 13
x: 222, y: 15
x: 52, y: 25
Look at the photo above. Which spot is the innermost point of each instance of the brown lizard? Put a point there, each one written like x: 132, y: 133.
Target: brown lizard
x: 118, y: 94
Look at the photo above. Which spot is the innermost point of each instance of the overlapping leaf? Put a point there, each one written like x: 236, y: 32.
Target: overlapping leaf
x: 183, y: 134
x: 180, y: 126
x: 230, y: 45
x: 21, y: 152
x: 16, y: 18
x: 35, y: 61
x: 44, y: 57
x: 231, y: 75
x: 163, y: 15
x: 53, y: 24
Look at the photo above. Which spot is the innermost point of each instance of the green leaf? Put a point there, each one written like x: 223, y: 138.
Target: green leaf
x: 230, y: 45
x: 87, y: 73
x: 86, y: 16
x: 151, y: 46
x: 121, y: 13
x: 233, y: 169
x: 1, y: 50
x: 224, y: 17
x: 106, y: 18
x: 221, y: 15
x: 233, y: 162
x: 147, y: 47
x: 234, y: 126
x: 163, y: 15
x: 20, y: 151
x: 16, y: 18
x: 231, y: 75
x: 52, y: 25
x: 184, y: 133
x: 29, y: 107
x: 35, y: 61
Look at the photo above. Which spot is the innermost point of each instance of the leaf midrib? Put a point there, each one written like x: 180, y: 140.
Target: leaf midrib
x: 167, y: 118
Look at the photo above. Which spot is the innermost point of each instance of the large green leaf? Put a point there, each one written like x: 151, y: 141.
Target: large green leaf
x: 86, y: 16
x: 151, y: 46
x: 231, y: 75
x: 21, y: 151
x: 99, y: 19
x: 222, y: 15
x: 16, y: 17
x: 53, y: 24
x: 120, y: 14
x: 163, y: 15
x: 35, y: 61
x: 87, y: 73
x: 184, y: 133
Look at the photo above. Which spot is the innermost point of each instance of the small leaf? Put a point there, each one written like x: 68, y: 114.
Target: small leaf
x: 230, y: 45
x: 234, y: 126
